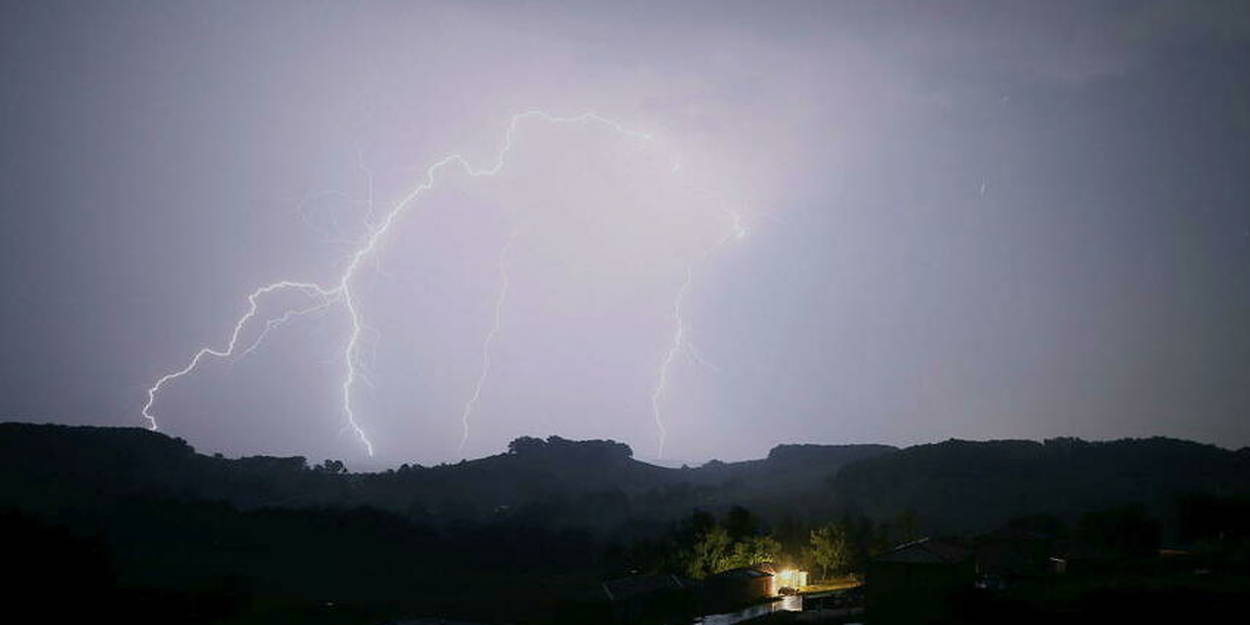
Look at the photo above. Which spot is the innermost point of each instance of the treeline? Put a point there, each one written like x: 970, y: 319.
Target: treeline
x: 964, y: 486
x: 171, y: 531
x: 704, y: 544
x: 585, y: 484
x: 955, y: 486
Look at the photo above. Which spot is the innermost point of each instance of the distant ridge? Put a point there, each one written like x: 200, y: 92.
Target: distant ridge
x: 954, y: 485
x: 961, y: 485
x: 534, y: 473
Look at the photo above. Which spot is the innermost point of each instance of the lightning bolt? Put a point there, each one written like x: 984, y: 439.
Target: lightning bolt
x: 253, y: 306
x: 696, y: 356
x: 341, y: 291
x: 680, y: 342
x: 270, y: 324
x: 679, y: 336
x: 500, y: 297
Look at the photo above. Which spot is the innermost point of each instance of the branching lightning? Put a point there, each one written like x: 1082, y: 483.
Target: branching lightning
x: 253, y: 305
x: 342, y: 291
x: 696, y: 357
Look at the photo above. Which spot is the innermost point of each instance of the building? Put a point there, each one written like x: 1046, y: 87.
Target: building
x: 790, y: 578
x: 1009, y: 554
x: 918, y: 581
x: 432, y: 621
x: 740, y: 586
x: 647, y: 598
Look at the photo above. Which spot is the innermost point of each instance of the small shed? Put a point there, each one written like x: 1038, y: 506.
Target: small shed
x: 790, y: 578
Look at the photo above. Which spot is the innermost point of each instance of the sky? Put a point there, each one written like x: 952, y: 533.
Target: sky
x: 828, y: 222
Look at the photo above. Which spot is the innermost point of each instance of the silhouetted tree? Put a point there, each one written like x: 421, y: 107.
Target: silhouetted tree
x: 740, y: 523
x: 331, y: 466
x: 755, y: 550
x: 526, y: 445
x: 908, y: 525
x: 710, y: 553
x: 1121, y: 531
x: 1047, y: 525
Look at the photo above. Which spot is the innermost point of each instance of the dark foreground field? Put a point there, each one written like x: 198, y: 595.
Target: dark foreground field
x: 123, y: 523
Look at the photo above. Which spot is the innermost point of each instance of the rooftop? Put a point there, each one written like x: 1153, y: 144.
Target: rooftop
x: 742, y: 572
x: 926, y: 550
x: 628, y: 587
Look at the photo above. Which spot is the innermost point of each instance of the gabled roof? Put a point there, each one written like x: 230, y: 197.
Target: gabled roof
x: 742, y: 572
x: 926, y: 551
x: 432, y: 621
x: 628, y: 587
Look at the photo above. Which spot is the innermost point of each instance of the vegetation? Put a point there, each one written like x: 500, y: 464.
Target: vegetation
x: 967, y: 486
x: 705, y: 547
x: 137, y: 523
x: 830, y: 550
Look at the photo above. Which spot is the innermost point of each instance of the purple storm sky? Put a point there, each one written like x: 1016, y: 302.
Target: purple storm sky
x: 964, y: 219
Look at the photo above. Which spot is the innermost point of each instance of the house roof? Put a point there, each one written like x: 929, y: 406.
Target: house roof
x: 628, y: 587
x: 742, y: 572
x: 433, y: 621
x: 926, y: 551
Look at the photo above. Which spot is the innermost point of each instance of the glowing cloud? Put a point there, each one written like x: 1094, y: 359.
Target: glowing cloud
x: 341, y: 291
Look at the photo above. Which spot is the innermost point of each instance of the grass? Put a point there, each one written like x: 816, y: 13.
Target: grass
x: 837, y: 583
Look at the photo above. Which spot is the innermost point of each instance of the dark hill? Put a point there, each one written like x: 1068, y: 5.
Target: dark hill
x: 955, y: 485
x: 169, y: 531
x: 594, y: 484
x: 966, y: 485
